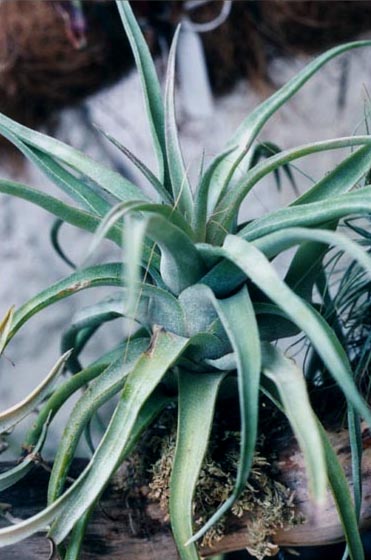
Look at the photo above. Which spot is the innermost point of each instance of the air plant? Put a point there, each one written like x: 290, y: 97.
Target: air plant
x: 206, y: 304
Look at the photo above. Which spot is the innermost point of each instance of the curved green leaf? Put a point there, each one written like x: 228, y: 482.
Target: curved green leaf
x: 224, y: 278
x: 54, y: 238
x: 16, y: 413
x: 181, y: 264
x: 157, y: 306
x: 61, y: 394
x: 197, y: 396
x: 164, y: 350
x: 341, y: 179
x: 111, y: 181
x: 237, y: 315
x: 12, y: 476
x: 77, y: 536
x: 311, y: 214
x: 247, y: 132
x: 65, y: 212
x: 91, y: 318
x: 150, y: 85
x: 152, y: 408
x: 123, y: 209
x: 290, y: 382
x: 181, y: 189
x: 225, y: 213
x: 202, y: 199
x: 343, y: 500
x: 264, y: 150
x: 41, y: 521
x: 77, y: 189
x: 99, y: 391
x: 273, y: 244
x: 101, y: 275
x: 146, y: 172
x: 261, y: 272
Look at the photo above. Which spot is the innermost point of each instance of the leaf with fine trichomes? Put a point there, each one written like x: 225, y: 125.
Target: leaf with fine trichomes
x: 42, y: 520
x: 18, y: 412
x: 182, y: 194
x: 100, y: 390
x: 211, y: 299
x: 134, y: 233
x: 257, y: 267
x: 275, y: 243
x: 150, y: 411
x: 343, y: 500
x: 156, y: 305
x: 247, y: 132
x: 95, y: 276
x: 164, y: 350
x: 69, y: 214
x: 197, y: 396
x: 290, y: 382
x: 108, y: 180
x: 86, y: 322
x: 341, y: 179
x: 150, y: 85
x: 311, y: 214
x: 238, y: 318
x: 121, y: 210
x: 146, y: 172
x: 14, y: 475
x: 181, y: 264
x: 223, y: 218
x: 62, y: 393
x: 93, y: 200
x: 338, y: 484
x: 202, y: 198
x: 225, y: 276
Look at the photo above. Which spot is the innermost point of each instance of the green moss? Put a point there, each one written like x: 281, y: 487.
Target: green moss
x: 266, y: 501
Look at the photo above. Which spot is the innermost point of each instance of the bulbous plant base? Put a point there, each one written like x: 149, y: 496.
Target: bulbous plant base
x: 121, y: 528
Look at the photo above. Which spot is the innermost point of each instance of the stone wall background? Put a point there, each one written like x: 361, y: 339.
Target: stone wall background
x: 323, y: 109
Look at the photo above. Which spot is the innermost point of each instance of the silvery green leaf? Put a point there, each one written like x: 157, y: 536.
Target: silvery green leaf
x: 109, y: 382
x: 110, y: 181
x: 257, y: 267
x: 19, y: 411
x: 12, y: 476
x: 238, y: 318
x: 150, y: 85
x: 182, y: 194
x: 223, y: 218
x: 290, y: 382
x: 162, y: 353
x: 197, y: 396
x: 343, y: 500
x: 249, y: 129
x: 311, y: 214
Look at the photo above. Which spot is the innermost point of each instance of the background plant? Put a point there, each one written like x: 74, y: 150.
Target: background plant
x: 206, y: 304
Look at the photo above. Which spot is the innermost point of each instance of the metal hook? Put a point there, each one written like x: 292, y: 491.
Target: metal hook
x: 210, y: 25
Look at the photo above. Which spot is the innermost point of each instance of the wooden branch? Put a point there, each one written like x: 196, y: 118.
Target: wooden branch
x: 120, y: 530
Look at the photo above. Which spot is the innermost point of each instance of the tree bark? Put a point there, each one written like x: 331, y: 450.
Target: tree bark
x: 120, y: 530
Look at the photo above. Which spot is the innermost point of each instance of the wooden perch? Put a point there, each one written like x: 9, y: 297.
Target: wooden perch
x: 120, y: 530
